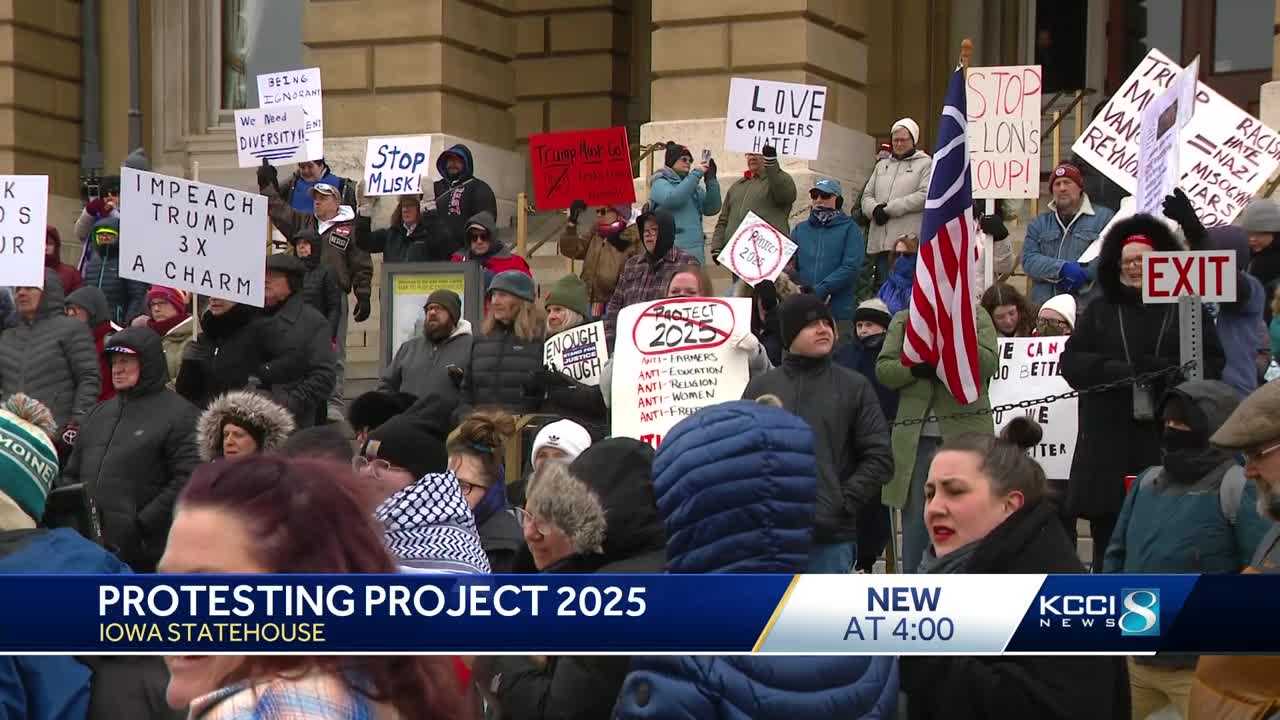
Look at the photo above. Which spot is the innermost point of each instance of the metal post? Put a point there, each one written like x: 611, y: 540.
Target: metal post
x: 1190, y: 334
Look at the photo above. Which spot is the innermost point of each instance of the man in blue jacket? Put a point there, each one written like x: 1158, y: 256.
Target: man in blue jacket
x: 1058, y: 237
x: 831, y: 249
x: 676, y: 188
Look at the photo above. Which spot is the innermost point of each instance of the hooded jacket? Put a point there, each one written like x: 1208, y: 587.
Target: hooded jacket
x: 735, y: 487
x: 498, y: 259
x: 249, y: 410
x: 299, y: 368
x: 230, y: 349
x: 95, y: 303
x: 602, y: 262
x: 320, y: 288
x: 1095, y: 354
x: 687, y: 201
x: 339, y: 244
x: 1050, y: 245
x: 134, y: 454
x: 459, y: 199
x: 51, y: 358
x: 67, y: 274
x: 828, y: 259
x: 1240, y: 323
x: 646, y: 275
x: 419, y: 366
x: 126, y: 299
x: 901, y: 186
x: 430, y: 529
x: 769, y: 194
x: 860, y: 355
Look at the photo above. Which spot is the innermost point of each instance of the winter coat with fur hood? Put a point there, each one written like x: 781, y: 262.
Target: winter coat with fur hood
x: 248, y: 410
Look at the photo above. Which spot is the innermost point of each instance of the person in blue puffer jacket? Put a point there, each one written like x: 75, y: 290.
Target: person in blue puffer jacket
x: 831, y: 250
x: 676, y: 189
x: 126, y: 299
x: 711, y: 461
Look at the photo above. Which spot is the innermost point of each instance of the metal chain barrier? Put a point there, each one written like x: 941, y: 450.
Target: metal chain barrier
x: 1022, y: 404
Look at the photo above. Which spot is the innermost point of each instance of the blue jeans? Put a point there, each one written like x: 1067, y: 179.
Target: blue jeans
x: 835, y: 558
x: 915, y: 536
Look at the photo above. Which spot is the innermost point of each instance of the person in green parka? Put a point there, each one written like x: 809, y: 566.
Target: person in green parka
x: 921, y: 393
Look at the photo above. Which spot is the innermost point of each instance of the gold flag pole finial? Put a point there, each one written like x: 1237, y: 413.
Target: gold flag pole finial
x: 966, y: 52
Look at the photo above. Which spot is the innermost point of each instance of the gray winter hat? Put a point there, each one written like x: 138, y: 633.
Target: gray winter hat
x: 93, y: 301
x: 1260, y: 216
x: 515, y: 283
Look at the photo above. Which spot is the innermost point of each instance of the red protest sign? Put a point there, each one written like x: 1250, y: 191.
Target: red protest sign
x: 593, y: 166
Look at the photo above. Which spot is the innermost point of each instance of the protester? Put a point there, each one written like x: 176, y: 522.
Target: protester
x: 320, y: 288
x: 603, y: 253
x: 830, y: 250
x: 735, y: 487
x: 409, y: 237
x: 226, y: 355
x: 459, y: 196
x: 894, y: 195
x: 554, y: 392
x: 510, y: 347
x: 8, y: 311
x: 647, y: 276
x: 675, y: 188
x: 273, y: 515
x: 168, y: 317
x: 297, y: 189
x: 562, y: 440
x: 690, y: 281
x: 126, y: 299
x: 89, y: 306
x: 298, y: 370
x: 1273, y: 328
x: 901, y: 277
x: 320, y: 442
x: 566, y: 305
x: 68, y: 275
x: 1119, y: 337
x: 48, y: 355
x: 1238, y: 322
x: 852, y: 444
x: 239, y: 424
x: 766, y: 297
x: 421, y: 364
x: 106, y: 205
x: 1261, y: 219
x: 1059, y: 236
x: 987, y: 514
x: 476, y: 452
x: 136, y: 451
x: 485, y: 247
x: 921, y: 394
x: 1010, y: 312
x: 1057, y: 316
x: 561, y: 521
x: 764, y: 189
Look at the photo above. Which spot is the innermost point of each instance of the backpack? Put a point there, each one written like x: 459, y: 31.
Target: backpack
x: 1230, y: 489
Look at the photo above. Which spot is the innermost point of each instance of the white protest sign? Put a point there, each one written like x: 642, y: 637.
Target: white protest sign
x: 24, y: 201
x: 787, y: 116
x: 1004, y: 130
x: 1167, y: 276
x: 275, y: 134
x: 672, y: 358
x: 393, y: 165
x: 578, y: 352
x: 193, y: 236
x: 757, y: 251
x: 1225, y: 154
x: 297, y: 88
x: 1158, y: 138
x: 1029, y: 370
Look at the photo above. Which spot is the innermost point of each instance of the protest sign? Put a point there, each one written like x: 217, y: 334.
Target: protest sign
x: 593, y: 166
x: 787, y: 116
x: 757, y: 251
x: 1158, y: 138
x: 1029, y: 370
x: 1004, y: 130
x: 578, y: 352
x: 276, y: 134
x: 1167, y: 276
x: 193, y: 236
x: 394, y: 165
x: 24, y: 201
x: 672, y: 358
x: 1225, y: 154
x: 300, y: 88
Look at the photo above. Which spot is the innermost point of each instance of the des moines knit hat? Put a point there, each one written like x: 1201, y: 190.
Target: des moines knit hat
x: 798, y: 311
x: 28, y: 459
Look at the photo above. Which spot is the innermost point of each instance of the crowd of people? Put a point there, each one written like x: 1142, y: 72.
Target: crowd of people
x: 160, y: 434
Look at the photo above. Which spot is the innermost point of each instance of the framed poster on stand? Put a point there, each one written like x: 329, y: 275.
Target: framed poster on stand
x: 405, y: 288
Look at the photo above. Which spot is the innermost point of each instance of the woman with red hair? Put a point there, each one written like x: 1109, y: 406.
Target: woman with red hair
x: 270, y: 514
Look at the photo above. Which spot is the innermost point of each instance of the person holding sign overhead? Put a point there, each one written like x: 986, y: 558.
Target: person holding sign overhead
x: 612, y: 241
x: 830, y: 249
x: 675, y: 188
x: 895, y: 193
x: 765, y: 189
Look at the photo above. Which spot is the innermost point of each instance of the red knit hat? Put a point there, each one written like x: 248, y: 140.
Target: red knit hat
x: 170, y: 295
x: 1070, y: 172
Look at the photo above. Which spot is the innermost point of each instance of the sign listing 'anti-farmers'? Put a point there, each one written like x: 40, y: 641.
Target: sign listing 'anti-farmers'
x: 1029, y: 370
x: 297, y: 88
x: 757, y: 251
x: 275, y: 134
x: 672, y: 358
x: 580, y: 353
x: 787, y: 116
x: 394, y: 165
x: 1004, y: 130
x: 193, y: 236
x: 593, y: 166
x: 23, y: 209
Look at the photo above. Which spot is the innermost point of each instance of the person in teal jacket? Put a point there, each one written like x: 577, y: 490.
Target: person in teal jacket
x: 679, y: 189
x: 831, y: 250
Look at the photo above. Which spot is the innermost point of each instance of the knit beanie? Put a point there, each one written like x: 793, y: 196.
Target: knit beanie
x: 570, y: 292
x: 1070, y: 172
x: 515, y: 283
x: 564, y: 435
x: 370, y: 410
x: 1064, y: 305
x: 448, y: 300
x: 170, y: 295
x: 675, y: 151
x: 292, y: 267
x: 873, y: 310
x: 797, y: 312
x: 28, y: 459
x: 411, y: 442
x: 1262, y: 215
x: 910, y: 126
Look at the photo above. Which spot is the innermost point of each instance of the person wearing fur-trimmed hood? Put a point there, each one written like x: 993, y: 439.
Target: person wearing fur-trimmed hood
x: 240, y: 423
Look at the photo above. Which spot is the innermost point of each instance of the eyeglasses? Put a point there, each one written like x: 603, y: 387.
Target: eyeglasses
x: 467, y: 487
x: 1131, y: 262
x: 1060, y: 324
x: 1253, y: 456
x: 380, y: 466
x: 528, y: 519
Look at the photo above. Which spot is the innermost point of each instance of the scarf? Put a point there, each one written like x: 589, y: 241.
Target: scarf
x: 494, y: 500
x: 429, y: 528
x: 163, y: 327
x: 896, y: 291
x: 955, y: 562
x: 822, y: 216
x: 610, y: 231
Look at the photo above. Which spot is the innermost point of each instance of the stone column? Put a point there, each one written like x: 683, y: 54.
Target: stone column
x: 1270, y: 98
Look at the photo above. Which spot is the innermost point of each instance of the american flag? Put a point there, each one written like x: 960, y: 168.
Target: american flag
x: 941, y: 327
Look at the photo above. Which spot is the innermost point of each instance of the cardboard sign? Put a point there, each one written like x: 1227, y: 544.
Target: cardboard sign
x: 1167, y: 276
x: 1004, y: 130
x: 1158, y: 140
x: 274, y: 134
x: 1225, y: 154
x: 672, y: 358
x: 578, y: 352
x: 297, y: 88
x: 757, y: 251
x: 24, y: 201
x: 1029, y: 370
x: 193, y: 236
x: 593, y: 166
x: 787, y: 116
x: 394, y: 165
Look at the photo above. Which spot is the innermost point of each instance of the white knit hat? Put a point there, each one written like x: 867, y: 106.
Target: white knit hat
x: 564, y: 435
x: 910, y: 126
x: 1064, y: 305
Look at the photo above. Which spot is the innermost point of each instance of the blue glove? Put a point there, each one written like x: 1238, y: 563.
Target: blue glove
x: 1072, y: 276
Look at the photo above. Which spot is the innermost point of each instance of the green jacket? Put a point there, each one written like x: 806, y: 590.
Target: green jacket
x: 916, y: 397
x: 769, y: 195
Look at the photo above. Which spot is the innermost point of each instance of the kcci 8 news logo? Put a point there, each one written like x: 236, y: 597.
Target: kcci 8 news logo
x: 1135, y: 611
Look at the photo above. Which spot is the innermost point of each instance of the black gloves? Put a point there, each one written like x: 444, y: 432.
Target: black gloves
x: 539, y: 381
x: 456, y: 374
x: 880, y: 215
x: 1178, y: 208
x: 993, y: 225
x: 361, y: 313
x: 710, y: 174
x: 769, y: 152
x: 924, y: 372
x: 576, y: 209
x: 268, y: 177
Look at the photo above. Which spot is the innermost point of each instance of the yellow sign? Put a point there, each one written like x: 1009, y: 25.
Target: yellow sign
x: 426, y: 283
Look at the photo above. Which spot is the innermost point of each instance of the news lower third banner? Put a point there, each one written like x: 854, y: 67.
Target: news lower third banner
x: 638, y: 614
